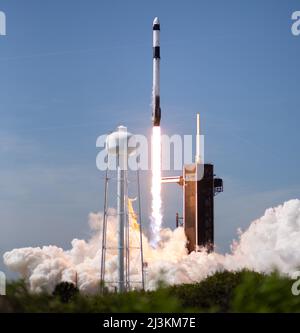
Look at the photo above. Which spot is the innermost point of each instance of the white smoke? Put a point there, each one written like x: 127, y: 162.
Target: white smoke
x: 271, y: 242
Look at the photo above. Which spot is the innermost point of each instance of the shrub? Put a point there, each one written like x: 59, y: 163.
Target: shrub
x: 66, y: 291
x: 270, y: 293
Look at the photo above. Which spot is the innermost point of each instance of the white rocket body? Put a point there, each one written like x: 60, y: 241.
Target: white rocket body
x: 156, y: 111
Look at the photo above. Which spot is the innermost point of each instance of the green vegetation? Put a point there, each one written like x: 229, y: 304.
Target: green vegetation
x: 243, y: 291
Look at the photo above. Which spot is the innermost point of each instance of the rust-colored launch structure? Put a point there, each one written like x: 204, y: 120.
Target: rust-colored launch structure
x: 199, y: 189
x: 200, y: 186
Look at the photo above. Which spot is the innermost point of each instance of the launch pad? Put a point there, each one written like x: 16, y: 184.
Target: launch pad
x: 198, y: 205
x: 200, y: 186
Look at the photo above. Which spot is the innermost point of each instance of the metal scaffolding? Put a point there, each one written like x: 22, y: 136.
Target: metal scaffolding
x: 125, y: 251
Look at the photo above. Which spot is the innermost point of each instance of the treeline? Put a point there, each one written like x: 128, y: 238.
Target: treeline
x: 243, y: 291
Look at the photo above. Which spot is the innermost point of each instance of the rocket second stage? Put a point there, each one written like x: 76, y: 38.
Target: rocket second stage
x: 156, y: 111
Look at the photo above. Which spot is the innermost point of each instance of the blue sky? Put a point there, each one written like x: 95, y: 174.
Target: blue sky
x: 73, y: 70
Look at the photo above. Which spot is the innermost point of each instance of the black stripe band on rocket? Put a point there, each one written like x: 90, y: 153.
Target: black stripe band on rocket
x: 156, y: 27
x: 156, y: 52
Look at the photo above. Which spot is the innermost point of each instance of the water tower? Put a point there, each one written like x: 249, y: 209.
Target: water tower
x: 120, y: 145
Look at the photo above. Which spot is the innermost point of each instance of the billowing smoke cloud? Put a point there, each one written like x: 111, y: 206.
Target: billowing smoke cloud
x: 271, y: 242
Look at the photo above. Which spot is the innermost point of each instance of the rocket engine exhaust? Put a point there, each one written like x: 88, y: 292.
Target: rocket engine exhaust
x: 156, y: 216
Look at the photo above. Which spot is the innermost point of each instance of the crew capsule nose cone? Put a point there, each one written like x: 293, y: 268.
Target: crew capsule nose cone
x: 156, y: 21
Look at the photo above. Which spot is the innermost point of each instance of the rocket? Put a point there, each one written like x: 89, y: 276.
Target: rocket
x: 156, y: 111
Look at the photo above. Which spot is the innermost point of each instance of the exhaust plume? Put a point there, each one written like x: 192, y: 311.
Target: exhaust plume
x: 271, y: 242
x: 156, y: 216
